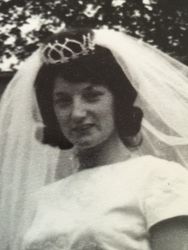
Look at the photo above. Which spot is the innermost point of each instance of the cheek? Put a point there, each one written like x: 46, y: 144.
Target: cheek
x: 107, y: 114
x: 62, y: 118
x: 109, y: 121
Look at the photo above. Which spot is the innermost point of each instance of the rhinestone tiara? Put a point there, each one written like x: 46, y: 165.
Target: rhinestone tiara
x: 56, y: 52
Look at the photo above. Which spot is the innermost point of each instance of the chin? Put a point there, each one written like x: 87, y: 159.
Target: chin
x: 84, y: 145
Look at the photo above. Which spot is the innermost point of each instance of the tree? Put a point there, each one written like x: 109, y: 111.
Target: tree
x: 160, y: 22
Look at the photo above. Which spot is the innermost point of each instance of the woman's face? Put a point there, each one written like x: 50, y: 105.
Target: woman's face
x: 84, y: 112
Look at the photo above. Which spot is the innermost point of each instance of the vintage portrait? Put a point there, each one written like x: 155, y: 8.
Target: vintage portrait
x: 94, y: 125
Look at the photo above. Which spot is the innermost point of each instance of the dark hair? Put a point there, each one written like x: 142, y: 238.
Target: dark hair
x: 99, y: 67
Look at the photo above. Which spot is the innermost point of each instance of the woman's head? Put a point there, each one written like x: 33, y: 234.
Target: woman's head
x: 85, y: 112
x: 98, y: 73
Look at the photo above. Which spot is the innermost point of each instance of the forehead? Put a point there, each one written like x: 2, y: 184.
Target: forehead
x: 62, y: 85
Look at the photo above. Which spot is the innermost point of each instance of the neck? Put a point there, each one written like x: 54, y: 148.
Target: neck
x: 111, y: 151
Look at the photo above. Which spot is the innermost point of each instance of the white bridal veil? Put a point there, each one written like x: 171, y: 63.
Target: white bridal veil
x: 26, y: 164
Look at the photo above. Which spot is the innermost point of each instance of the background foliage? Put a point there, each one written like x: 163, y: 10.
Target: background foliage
x: 160, y: 22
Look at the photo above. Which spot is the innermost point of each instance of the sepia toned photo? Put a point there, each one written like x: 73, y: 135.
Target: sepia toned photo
x: 94, y: 125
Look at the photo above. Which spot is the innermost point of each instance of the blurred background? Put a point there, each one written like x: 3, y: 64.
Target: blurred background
x: 25, y: 23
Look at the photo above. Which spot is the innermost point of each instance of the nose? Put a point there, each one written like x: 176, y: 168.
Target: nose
x: 79, y: 109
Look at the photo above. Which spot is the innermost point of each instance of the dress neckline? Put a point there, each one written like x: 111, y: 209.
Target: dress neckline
x: 130, y: 159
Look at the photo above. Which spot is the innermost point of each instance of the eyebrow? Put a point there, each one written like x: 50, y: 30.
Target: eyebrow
x: 91, y: 87
x: 60, y: 94
x: 86, y: 88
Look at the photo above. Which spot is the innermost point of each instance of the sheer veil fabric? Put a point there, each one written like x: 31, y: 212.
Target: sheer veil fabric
x: 27, y: 165
x: 162, y: 86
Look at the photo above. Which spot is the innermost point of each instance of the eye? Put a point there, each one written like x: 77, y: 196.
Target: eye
x: 92, y: 95
x: 62, y: 100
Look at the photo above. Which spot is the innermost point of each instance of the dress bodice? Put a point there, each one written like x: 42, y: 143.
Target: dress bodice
x: 109, y: 207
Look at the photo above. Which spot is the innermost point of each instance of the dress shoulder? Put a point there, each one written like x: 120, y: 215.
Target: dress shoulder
x: 165, y: 192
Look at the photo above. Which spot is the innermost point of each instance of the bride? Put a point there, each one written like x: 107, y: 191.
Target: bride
x: 120, y: 104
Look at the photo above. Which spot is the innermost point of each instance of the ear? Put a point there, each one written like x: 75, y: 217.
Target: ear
x: 133, y: 141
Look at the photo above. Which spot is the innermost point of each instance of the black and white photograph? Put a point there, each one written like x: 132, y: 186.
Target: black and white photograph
x: 94, y: 125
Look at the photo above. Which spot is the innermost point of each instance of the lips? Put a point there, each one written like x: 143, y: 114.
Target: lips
x: 82, y: 127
